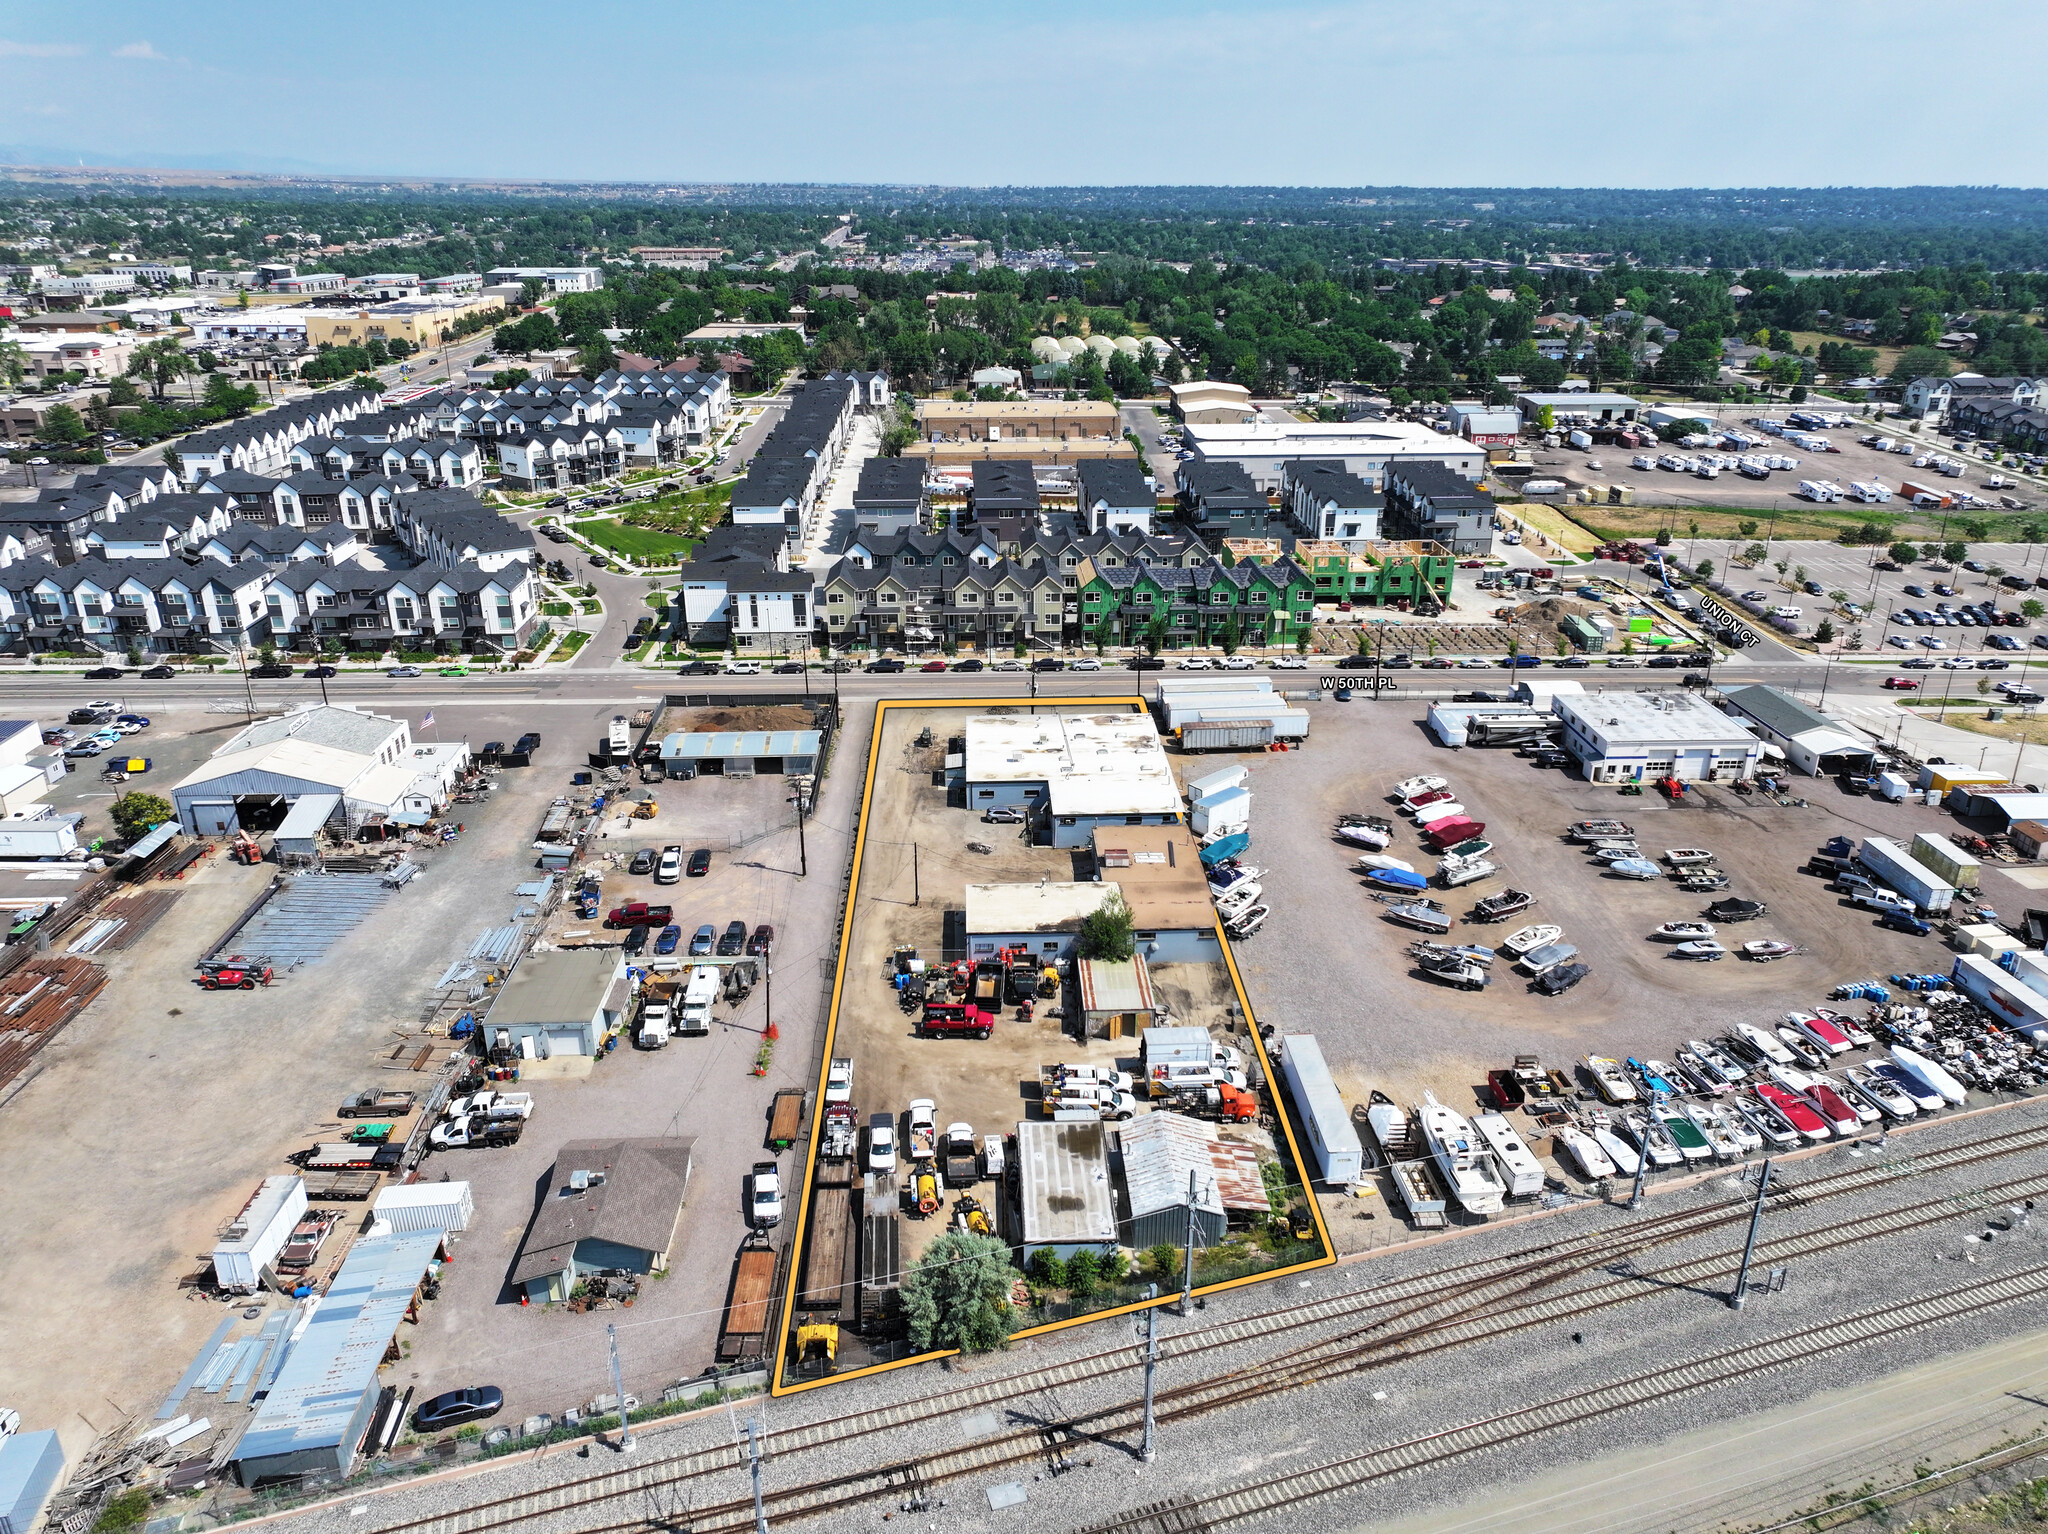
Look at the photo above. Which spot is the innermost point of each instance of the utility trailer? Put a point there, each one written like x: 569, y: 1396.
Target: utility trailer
x: 743, y: 1334
x: 786, y: 1118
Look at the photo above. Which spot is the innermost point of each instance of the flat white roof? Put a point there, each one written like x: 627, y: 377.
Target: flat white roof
x: 1651, y: 716
x: 1067, y: 1198
x: 1091, y: 764
x: 1033, y: 907
x: 1324, y: 439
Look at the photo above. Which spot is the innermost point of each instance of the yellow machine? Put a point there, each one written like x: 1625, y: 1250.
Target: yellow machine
x: 967, y: 1212
x: 819, y: 1340
x: 646, y: 809
x: 927, y: 1184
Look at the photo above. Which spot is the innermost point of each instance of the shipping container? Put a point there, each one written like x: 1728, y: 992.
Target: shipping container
x: 1985, y: 939
x: 2013, y: 1004
x: 442, y: 1206
x: 31, y: 1465
x: 1215, y: 782
x: 1332, y: 1138
x: 1228, y: 811
x: 1937, y: 852
x: 2028, y: 837
x: 1286, y: 723
x: 1891, y: 863
x: 1227, y: 735
x: 1945, y: 778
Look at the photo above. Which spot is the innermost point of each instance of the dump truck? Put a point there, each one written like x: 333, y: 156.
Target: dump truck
x: 985, y: 988
x: 962, y: 1169
x: 786, y: 1118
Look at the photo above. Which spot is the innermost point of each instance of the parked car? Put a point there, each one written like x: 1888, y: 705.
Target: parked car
x: 762, y: 940
x: 114, y: 674
x: 764, y: 1196
x: 1154, y: 663
x: 669, y: 869
x: 699, y: 864
x: 159, y: 673
x: 1049, y: 663
x: 404, y: 671
x: 318, y: 672
x: 888, y: 664
x: 643, y: 862
x: 790, y: 668
x: 1003, y: 815
x: 969, y: 665
x: 455, y: 1407
x: 697, y: 668
x: 933, y: 665
x: 666, y: 943
x: 274, y: 669
x: 732, y: 940
x: 703, y: 941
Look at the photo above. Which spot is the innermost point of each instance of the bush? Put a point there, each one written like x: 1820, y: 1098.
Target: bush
x: 130, y: 1510
x: 1084, y: 1274
x: 1047, y: 1269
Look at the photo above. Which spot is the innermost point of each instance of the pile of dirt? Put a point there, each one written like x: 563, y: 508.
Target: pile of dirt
x: 763, y: 716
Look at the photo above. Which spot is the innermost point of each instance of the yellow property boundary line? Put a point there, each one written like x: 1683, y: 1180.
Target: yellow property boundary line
x: 774, y: 1364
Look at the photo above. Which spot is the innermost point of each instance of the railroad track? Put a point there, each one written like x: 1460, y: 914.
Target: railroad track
x: 1456, y: 1303
x: 1278, y: 1494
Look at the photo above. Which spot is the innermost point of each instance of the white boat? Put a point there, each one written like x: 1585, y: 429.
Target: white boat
x: 1684, y: 931
x: 1425, y: 801
x: 1615, y: 1147
x: 1584, y: 1151
x: 1652, y: 1139
x: 1411, y: 788
x: 1462, y: 873
x: 1363, y: 836
x: 1385, y: 860
x: 1765, y: 949
x: 1524, y: 1171
x: 1611, y: 1079
x: 1923, y: 1097
x: 1430, y: 814
x: 1709, y: 1121
x: 1527, y: 939
x: 1748, y: 1137
x: 1764, y: 1043
x: 1933, y: 1076
x: 1716, y: 1060
x: 1700, y: 948
x: 1412, y: 1183
x: 1612, y: 855
x: 1635, y: 868
x: 1860, y: 1102
x: 1461, y: 1157
x: 1238, y: 898
x: 1768, y: 1122
x: 1884, y: 1093
x: 1687, y: 857
x: 1857, y: 1034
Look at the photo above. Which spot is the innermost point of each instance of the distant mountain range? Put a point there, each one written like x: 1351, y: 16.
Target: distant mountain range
x: 54, y: 157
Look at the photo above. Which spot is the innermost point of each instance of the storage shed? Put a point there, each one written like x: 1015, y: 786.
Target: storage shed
x: 1160, y: 872
x: 442, y: 1206
x: 1169, y: 1162
x: 254, y: 1237
x: 320, y: 1403
x: 299, y: 835
x: 740, y: 753
x: 1116, y: 997
x: 609, y: 1204
x: 1064, y: 1189
x: 2028, y: 837
x: 31, y: 1465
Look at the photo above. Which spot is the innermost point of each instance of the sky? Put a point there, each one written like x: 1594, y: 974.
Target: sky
x: 1051, y: 92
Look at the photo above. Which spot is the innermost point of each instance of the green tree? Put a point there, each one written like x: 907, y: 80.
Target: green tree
x: 1902, y: 553
x: 509, y: 378
x: 1781, y: 566
x: 1231, y: 635
x: 1839, y: 598
x: 1992, y: 573
x: 1663, y: 537
x: 1755, y: 553
x: 1955, y: 552
x: 1799, y: 575
x: 135, y: 814
x: 957, y: 1295
x: 163, y: 363
x: 1084, y: 1274
x: 1156, y: 631
x: 1106, y: 931
x: 1048, y: 1269
x: 1747, y: 528
x: 223, y: 393
x: 2032, y: 608
x: 531, y: 292
x: 64, y: 425
x: 1921, y: 362
x: 1704, y: 569
x: 1824, y: 633
x: 13, y: 363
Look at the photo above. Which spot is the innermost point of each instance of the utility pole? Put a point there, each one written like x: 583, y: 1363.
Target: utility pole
x: 1147, y: 1452
x: 916, y: 891
x: 1635, y: 1196
x: 248, y: 692
x: 754, y: 1457
x: 619, y: 1390
x: 803, y: 857
x: 1756, y: 1218
x: 1187, y: 1271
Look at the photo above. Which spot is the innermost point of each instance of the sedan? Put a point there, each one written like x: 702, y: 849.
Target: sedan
x: 1898, y: 641
x: 105, y: 674
x: 933, y: 665
x: 1932, y: 643
x: 404, y: 671
x: 322, y: 671
x: 1480, y: 663
x: 457, y: 1407
x: 704, y: 941
x: 790, y: 668
x: 1901, y: 684
x: 733, y: 940
x: 1993, y: 664
x: 1004, y: 665
x: 1958, y: 663
x: 636, y: 941
x: 453, y: 671
x: 1439, y: 663
x: 132, y: 722
x: 670, y: 936
x: 1918, y: 663
x: 700, y: 863
x: 159, y: 673
x: 1916, y: 591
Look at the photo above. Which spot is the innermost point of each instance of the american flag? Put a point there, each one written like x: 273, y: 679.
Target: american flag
x: 428, y: 722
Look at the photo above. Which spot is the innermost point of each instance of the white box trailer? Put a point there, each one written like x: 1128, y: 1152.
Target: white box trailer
x: 256, y: 1235
x: 1332, y: 1137
x: 1221, y: 814
x: 1214, y: 783
x: 420, y: 1206
x: 2017, y: 1006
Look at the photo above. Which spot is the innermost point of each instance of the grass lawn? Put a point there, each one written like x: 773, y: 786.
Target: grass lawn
x: 1967, y: 713
x: 1719, y: 524
x: 570, y: 645
x: 642, y: 543
x: 1554, y: 525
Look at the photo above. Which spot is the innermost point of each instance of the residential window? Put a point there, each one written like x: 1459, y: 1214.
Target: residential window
x: 837, y: 598
x: 1259, y: 597
x: 505, y: 612
x: 796, y: 604
x: 889, y: 598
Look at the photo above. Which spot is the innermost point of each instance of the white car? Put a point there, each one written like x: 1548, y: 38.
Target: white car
x: 1007, y: 665
x: 1090, y: 664
x: 741, y: 668
x: 1932, y: 643
x: 1958, y: 663
x: 1476, y: 663
x: 1624, y: 660
x: 670, y: 869
x: 881, y: 1143
x: 1194, y: 663
x: 764, y: 1196
x: 1240, y: 663
x: 1899, y: 640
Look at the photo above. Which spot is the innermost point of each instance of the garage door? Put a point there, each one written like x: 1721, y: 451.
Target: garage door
x: 212, y: 817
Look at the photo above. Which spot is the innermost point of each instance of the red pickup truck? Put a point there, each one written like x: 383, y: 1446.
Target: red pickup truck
x: 638, y: 913
x: 942, y: 1018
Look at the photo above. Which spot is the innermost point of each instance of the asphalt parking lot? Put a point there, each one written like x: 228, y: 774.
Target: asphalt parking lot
x: 1328, y: 962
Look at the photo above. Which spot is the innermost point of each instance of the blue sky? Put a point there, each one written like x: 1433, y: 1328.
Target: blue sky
x: 1451, y: 93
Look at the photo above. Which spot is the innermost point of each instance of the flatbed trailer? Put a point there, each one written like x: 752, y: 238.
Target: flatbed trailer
x: 343, y: 1187
x: 744, y: 1334
x: 828, y: 1271
x: 786, y: 1121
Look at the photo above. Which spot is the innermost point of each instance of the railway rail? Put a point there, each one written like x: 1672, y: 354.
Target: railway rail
x: 1449, y: 1307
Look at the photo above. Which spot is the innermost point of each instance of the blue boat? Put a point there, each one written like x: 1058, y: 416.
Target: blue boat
x: 1229, y: 847
x: 1396, y: 879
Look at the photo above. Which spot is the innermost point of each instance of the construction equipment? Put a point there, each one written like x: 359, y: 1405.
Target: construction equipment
x: 646, y: 809
x: 817, y: 1341
x: 969, y: 1215
x: 244, y: 849
x: 924, y: 1183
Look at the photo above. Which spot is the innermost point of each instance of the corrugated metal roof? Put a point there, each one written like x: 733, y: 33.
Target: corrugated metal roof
x: 315, y: 1395
x: 1161, y: 1150
x: 308, y: 816
x: 1064, y: 1180
x: 154, y: 840
x: 1116, y: 985
x: 693, y: 745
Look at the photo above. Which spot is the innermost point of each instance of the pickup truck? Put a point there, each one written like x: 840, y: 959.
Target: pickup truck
x: 1068, y: 1080
x: 474, y: 1131
x: 377, y: 1105
x: 1086, y: 1104
x: 489, y: 1104
x: 961, y: 1168
x: 839, y: 1081
x: 638, y: 913
x: 764, y: 1196
x: 944, y: 1018
x: 924, y: 1129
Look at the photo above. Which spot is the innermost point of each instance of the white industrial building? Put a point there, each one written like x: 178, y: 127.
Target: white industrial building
x: 1071, y: 772
x: 1639, y: 737
x: 1042, y: 919
x: 1805, y: 737
x: 1263, y: 449
x: 1064, y: 1189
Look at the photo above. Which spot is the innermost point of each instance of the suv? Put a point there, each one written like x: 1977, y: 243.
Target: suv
x: 732, y: 940
x: 670, y: 869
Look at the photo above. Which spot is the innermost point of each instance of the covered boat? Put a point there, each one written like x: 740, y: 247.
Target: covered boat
x: 1396, y: 879
x: 1764, y: 949
x: 1361, y: 836
x: 1229, y: 847
x: 1684, y: 931
x: 1700, y: 948
x: 1736, y: 910
x: 1634, y: 868
x: 1423, y: 918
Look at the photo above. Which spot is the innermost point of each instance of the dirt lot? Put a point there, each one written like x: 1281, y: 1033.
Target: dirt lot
x: 905, y: 900
x: 761, y: 716
x: 1330, y: 962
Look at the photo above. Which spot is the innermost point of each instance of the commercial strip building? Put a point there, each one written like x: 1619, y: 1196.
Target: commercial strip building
x: 959, y: 433
x: 1367, y: 449
x: 1159, y: 872
x: 1071, y: 772
x: 1043, y: 920
x: 1638, y: 737
x: 608, y: 1204
x: 1580, y: 408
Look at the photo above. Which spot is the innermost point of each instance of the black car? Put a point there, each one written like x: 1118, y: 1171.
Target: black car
x: 887, y: 664
x: 1571, y: 662
x: 1342, y: 695
x: 970, y: 665
x: 1146, y: 663
x: 636, y: 940
x: 104, y: 674
x: 1664, y: 662
x: 1356, y: 663
x: 732, y: 940
x: 554, y: 535
x: 1551, y: 759
x: 790, y: 668
x: 643, y: 862
x: 271, y: 670
x: 700, y: 863
x: 698, y: 668
x: 490, y: 751
x: 530, y: 741
x: 459, y: 1406
x: 1555, y: 982
x: 159, y: 673
x: 1049, y: 664
x: 1474, y: 697
x: 322, y: 671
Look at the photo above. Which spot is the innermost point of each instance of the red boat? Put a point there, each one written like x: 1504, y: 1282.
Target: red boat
x: 1448, y: 833
x: 1840, y: 1116
x: 1797, y: 1110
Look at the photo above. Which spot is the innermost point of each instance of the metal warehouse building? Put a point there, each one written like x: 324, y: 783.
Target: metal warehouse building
x: 740, y: 753
x: 1804, y: 736
x: 321, y: 1401
x: 1072, y: 772
x: 1639, y: 737
x: 1064, y: 1189
x: 1170, y: 1160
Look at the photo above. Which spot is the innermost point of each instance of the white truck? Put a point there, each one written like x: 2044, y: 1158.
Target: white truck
x: 654, y: 1023
x: 1085, y: 1103
x: 839, y: 1081
x: 490, y: 1104
x: 698, y: 997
